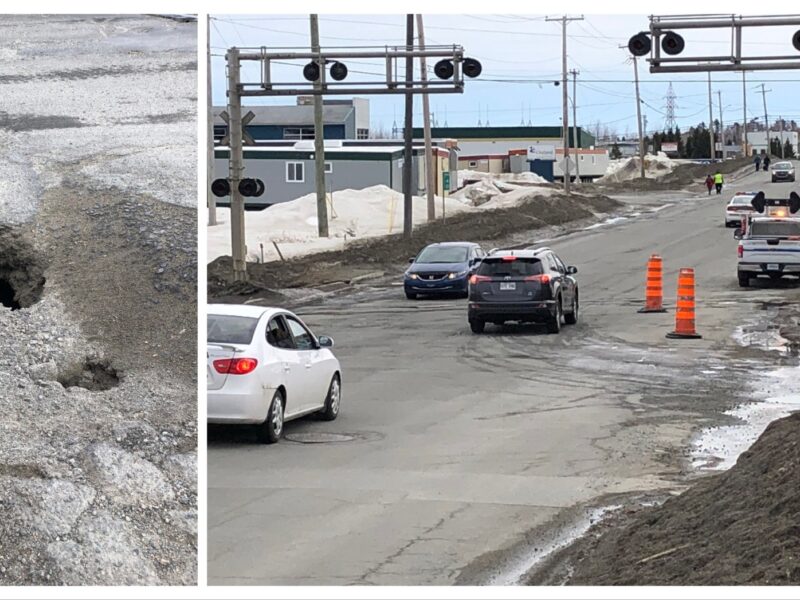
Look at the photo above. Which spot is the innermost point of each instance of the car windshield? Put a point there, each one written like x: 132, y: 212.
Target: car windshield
x: 775, y: 228
x: 230, y: 329
x: 443, y: 254
x: 782, y: 166
x: 520, y: 267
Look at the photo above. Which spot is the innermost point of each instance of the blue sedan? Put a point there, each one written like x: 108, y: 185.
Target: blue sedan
x: 442, y: 268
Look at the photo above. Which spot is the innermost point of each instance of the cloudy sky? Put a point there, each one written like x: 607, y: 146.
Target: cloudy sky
x: 521, y: 56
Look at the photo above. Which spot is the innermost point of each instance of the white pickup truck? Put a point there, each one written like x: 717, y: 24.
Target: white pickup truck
x: 770, y: 246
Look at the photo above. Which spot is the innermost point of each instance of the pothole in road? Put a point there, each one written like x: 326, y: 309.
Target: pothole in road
x: 93, y: 374
x: 21, y: 271
x: 319, y: 438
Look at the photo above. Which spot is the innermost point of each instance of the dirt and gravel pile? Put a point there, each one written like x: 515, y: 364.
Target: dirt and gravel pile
x: 392, y: 252
x: 98, y: 391
x: 741, y: 527
x: 684, y: 175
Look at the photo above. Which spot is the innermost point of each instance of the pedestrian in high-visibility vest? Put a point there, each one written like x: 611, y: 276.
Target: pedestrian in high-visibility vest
x: 718, y: 182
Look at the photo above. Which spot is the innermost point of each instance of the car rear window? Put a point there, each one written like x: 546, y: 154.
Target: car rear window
x: 230, y: 329
x: 775, y: 228
x: 520, y: 267
x: 443, y: 254
x: 742, y: 200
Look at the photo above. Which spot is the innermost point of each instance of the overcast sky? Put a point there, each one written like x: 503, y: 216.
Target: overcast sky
x: 527, y: 47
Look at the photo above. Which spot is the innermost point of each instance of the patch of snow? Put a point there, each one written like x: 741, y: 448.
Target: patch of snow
x: 626, y: 169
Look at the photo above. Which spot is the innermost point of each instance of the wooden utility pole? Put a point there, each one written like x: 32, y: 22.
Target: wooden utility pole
x: 430, y: 176
x: 564, y: 96
x: 766, y: 117
x: 408, y: 216
x: 639, y: 117
x: 744, y: 113
x: 721, y: 125
x: 319, y: 137
x: 713, y: 150
x: 211, y: 198
x: 575, y: 125
x: 236, y: 166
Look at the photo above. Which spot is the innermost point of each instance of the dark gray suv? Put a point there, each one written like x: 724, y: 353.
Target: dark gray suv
x: 527, y: 286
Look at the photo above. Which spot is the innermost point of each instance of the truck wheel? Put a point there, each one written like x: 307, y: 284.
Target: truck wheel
x: 572, y: 317
x: 744, y: 280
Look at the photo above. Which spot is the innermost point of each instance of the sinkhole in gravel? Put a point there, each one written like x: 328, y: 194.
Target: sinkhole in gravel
x: 21, y: 271
x: 93, y: 374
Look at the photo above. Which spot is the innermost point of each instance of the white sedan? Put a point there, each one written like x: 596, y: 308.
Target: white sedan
x: 265, y: 367
x: 738, y: 208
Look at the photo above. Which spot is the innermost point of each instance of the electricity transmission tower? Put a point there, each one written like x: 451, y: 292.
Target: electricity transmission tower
x: 669, y: 109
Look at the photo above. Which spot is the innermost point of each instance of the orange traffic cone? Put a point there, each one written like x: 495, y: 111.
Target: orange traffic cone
x: 684, y: 313
x: 654, y: 290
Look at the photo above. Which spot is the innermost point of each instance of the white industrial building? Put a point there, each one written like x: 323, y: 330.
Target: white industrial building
x: 757, y: 140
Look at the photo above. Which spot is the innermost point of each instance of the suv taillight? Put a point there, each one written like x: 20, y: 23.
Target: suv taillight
x: 539, y: 278
x: 740, y: 251
x: 478, y: 278
x: 235, y: 366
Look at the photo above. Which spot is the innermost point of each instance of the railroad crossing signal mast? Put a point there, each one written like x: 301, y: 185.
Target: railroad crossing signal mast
x: 325, y: 73
x: 662, y: 38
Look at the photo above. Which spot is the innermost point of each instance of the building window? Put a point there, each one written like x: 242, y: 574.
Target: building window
x: 473, y: 164
x: 328, y: 167
x: 298, y: 133
x: 362, y: 134
x: 294, y: 172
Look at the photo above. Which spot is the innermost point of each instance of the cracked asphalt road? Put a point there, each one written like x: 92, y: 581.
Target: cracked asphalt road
x: 468, y: 447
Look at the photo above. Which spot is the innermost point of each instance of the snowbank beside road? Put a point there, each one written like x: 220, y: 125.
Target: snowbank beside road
x: 625, y: 169
x: 353, y: 214
x: 515, y: 178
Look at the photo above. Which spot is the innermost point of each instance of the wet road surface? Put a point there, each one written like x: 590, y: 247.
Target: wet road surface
x: 456, y: 447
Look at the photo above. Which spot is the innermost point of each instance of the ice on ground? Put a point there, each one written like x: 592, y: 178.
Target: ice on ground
x: 118, y: 99
x: 718, y: 448
x: 626, y: 169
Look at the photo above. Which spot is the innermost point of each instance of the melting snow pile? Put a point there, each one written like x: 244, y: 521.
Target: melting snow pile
x: 625, y: 169
x: 352, y: 214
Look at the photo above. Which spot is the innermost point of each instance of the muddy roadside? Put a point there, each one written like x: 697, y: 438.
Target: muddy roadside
x: 737, y: 527
x: 537, y: 217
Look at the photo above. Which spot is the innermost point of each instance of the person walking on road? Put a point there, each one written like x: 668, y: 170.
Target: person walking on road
x: 757, y: 162
x: 709, y: 183
x: 718, y: 181
x: 766, y: 162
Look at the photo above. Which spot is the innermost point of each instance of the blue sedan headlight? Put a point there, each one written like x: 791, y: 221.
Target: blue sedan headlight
x: 412, y: 275
x: 456, y: 275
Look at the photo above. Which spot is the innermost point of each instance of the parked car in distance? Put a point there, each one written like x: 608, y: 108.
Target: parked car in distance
x: 739, y: 207
x: 266, y: 367
x: 783, y: 171
x: 442, y: 268
x: 524, y: 286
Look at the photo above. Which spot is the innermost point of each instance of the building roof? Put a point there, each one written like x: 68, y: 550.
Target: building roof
x: 464, y: 133
x: 291, y: 115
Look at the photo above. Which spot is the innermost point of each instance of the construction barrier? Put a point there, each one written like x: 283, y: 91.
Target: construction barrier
x: 684, y: 311
x: 654, y: 289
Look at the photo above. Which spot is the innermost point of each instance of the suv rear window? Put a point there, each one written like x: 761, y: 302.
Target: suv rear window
x: 520, y: 267
x: 230, y: 329
x: 775, y: 228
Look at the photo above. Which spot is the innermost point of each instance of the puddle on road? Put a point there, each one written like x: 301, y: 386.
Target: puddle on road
x: 518, y: 569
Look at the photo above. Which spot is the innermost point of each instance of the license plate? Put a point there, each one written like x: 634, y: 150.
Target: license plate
x: 507, y: 286
x: 773, y: 267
